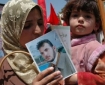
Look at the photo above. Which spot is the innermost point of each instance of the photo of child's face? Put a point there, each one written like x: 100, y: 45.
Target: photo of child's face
x: 82, y: 23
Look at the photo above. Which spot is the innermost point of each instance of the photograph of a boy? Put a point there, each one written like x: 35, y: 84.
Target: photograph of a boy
x: 59, y: 60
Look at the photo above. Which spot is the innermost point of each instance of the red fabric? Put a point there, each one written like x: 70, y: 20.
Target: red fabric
x: 53, y: 19
x: 64, y: 24
x: 43, y: 5
x: 87, y: 78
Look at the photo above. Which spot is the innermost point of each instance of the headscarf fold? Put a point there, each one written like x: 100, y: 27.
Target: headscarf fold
x: 13, y: 19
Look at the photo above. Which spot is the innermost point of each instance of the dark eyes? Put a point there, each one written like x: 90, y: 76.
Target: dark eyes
x: 77, y: 15
x: 31, y: 24
x: 28, y: 26
x: 74, y: 15
x: 41, y: 53
x: 40, y: 23
x: 46, y: 49
x: 88, y: 16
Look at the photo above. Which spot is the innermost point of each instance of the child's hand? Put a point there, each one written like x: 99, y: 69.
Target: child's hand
x: 71, y: 80
x: 50, y: 79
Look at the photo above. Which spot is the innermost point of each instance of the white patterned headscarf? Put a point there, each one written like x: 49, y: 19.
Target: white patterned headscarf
x: 13, y: 19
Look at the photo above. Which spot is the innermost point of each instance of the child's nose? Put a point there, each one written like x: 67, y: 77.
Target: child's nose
x: 81, y: 19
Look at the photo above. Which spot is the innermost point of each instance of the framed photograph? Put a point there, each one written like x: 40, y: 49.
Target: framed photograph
x: 48, y: 50
x: 101, y: 5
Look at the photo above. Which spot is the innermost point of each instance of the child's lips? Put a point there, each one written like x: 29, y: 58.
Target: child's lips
x: 80, y: 26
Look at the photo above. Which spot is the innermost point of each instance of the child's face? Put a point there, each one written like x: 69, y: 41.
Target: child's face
x: 82, y: 23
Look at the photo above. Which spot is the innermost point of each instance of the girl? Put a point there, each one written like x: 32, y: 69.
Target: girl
x: 87, y: 54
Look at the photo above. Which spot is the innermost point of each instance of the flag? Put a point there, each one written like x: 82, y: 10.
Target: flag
x: 53, y: 19
x: 43, y: 6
